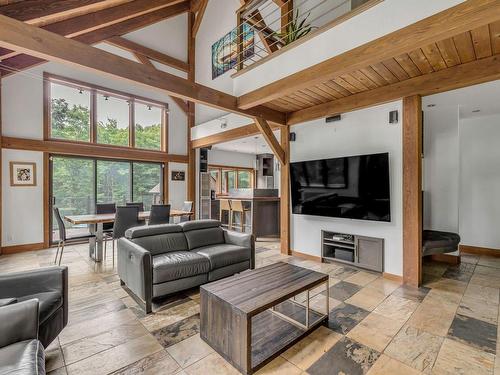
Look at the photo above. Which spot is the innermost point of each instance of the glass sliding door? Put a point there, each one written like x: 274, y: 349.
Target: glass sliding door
x: 114, y: 182
x: 147, y: 183
x: 72, y: 188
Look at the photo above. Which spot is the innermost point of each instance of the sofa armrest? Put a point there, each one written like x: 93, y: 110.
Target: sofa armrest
x: 243, y: 240
x: 18, y: 322
x: 135, y: 268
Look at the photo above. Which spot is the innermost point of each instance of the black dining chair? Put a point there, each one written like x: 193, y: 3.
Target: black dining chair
x: 126, y: 217
x: 160, y: 214
x: 141, y: 209
x: 63, y: 237
x: 107, y: 228
x: 187, y: 206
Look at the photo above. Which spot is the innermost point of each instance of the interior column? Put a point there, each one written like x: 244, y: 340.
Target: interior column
x: 412, y: 190
x: 191, y: 181
x: 285, y: 192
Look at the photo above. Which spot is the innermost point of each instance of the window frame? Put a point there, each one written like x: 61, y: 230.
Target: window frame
x: 221, y: 168
x: 94, y: 90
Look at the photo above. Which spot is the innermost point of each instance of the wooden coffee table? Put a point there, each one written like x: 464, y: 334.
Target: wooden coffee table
x: 251, y: 318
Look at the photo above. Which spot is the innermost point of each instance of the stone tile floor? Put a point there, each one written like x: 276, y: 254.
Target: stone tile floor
x: 376, y: 326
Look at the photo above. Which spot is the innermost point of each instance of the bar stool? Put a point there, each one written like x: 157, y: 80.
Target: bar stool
x: 237, y: 206
x: 225, y: 206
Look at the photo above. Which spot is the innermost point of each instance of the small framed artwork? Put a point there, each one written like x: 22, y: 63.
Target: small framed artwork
x: 178, y: 176
x: 22, y: 173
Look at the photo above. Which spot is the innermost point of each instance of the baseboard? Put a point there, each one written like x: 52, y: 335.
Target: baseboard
x: 298, y: 254
x: 23, y: 248
x: 479, y: 250
x: 392, y: 277
x: 446, y: 258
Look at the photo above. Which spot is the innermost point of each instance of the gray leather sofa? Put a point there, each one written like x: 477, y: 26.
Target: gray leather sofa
x: 20, y: 351
x: 157, y: 260
x: 48, y: 285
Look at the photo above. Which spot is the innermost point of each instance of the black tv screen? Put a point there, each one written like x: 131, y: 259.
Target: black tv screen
x: 353, y: 187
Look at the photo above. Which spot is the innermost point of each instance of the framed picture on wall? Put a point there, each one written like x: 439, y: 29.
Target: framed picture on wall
x: 22, y: 173
x: 178, y: 175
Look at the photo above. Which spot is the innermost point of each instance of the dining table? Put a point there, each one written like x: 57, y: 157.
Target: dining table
x: 95, y: 223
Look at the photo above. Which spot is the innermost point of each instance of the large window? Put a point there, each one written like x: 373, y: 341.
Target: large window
x: 223, y: 179
x: 80, y: 112
x: 77, y: 184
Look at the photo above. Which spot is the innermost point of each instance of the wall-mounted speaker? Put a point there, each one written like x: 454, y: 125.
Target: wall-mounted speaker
x: 334, y: 118
x: 203, y: 160
x: 293, y: 136
x: 393, y: 117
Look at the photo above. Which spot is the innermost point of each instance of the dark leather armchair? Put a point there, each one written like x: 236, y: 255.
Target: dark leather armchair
x: 50, y: 287
x: 20, y: 350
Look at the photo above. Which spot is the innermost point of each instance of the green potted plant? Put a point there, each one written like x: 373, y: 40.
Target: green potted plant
x: 296, y: 29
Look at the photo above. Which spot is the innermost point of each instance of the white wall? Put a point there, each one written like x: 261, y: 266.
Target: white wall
x: 233, y: 159
x: 22, y: 206
x: 440, y: 168
x: 480, y: 181
x: 362, y: 132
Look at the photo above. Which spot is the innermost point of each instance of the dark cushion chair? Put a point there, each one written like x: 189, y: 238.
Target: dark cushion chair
x: 50, y: 287
x: 437, y: 242
x: 20, y: 351
x: 157, y: 260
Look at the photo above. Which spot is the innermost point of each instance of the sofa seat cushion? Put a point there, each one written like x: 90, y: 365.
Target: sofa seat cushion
x: 224, y: 254
x: 177, y: 265
x: 25, y: 357
x: 438, y: 242
x: 49, y: 302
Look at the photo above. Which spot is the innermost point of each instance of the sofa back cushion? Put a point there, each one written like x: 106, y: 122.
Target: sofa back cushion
x: 159, y: 239
x: 201, y: 233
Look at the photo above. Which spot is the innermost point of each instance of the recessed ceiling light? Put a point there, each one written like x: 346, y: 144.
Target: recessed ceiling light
x: 476, y: 111
x: 430, y: 105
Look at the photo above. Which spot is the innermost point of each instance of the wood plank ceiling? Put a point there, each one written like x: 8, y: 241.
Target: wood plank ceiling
x: 476, y: 44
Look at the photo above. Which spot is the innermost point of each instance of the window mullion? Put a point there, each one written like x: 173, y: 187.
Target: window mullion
x: 131, y: 121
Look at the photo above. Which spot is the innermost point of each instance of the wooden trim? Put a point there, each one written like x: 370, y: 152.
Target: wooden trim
x: 458, y: 19
x: 446, y: 258
x: 313, y: 34
x: 13, y: 249
x: 199, y: 17
x: 219, y: 166
x: 271, y: 140
x: 479, y: 250
x: 298, y: 254
x: 392, y: 277
x: 463, y: 75
x: 46, y: 199
x: 136, y: 48
x: 412, y: 190
x: 90, y: 150
x: 285, y: 192
x: 49, y: 46
x: 166, y: 191
x: 11, y: 173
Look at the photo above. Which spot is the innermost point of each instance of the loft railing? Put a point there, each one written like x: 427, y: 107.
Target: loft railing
x: 267, y: 26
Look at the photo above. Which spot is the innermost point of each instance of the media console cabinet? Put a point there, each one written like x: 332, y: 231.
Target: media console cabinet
x: 360, y: 251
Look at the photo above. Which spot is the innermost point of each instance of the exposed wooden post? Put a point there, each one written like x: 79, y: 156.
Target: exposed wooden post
x: 46, y: 200
x: 271, y: 140
x: 199, y: 17
x: 286, y: 14
x: 412, y: 190
x: 285, y: 192
x: 239, y: 46
x: 191, y: 185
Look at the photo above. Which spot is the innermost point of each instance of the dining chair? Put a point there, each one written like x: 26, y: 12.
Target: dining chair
x: 107, y: 228
x: 225, y: 209
x: 126, y: 217
x: 63, y: 237
x: 160, y: 214
x: 141, y: 209
x: 187, y: 206
x: 237, y: 206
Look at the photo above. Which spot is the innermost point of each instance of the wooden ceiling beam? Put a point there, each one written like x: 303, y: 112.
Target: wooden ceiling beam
x: 267, y: 133
x: 458, y: 19
x: 162, y: 58
x: 22, y: 61
x: 472, y: 73
x: 199, y: 17
x: 40, y: 43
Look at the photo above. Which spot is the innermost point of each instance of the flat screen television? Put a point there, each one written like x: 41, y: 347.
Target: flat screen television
x: 352, y: 187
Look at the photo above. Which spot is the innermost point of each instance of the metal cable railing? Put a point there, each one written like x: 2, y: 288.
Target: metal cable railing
x: 265, y: 28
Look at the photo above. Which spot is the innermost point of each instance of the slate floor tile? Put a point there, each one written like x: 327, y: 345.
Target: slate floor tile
x: 343, y: 290
x: 411, y: 293
x: 174, y: 333
x: 345, y: 317
x: 473, y: 332
x: 345, y: 357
